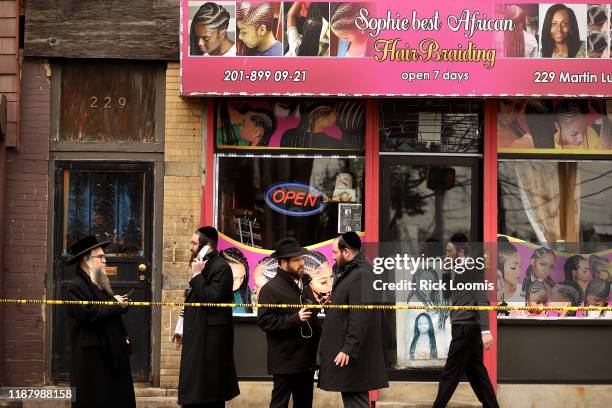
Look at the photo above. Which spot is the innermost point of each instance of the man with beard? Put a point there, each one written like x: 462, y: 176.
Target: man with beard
x: 292, y: 335
x: 207, y: 376
x: 351, y: 351
x: 100, y: 349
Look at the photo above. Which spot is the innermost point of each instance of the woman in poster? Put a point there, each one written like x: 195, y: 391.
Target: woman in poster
x: 342, y: 19
x: 423, y: 345
x: 598, y: 294
x: 315, y: 117
x: 257, y: 25
x: 564, y: 294
x: 320, y: 271
x: 244, y: 125
x: 540, y: 267
x: 258, y: 126
x: 262, y: 273
x: 311, y: 37
x: 508, y: 271
x: 560, y: 34
x: 208, y: 31
x: 240, y: 270
x: 577, y: 272
x: 573, y: 126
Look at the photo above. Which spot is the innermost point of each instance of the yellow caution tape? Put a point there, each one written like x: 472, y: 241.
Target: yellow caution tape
x: 309, y: 306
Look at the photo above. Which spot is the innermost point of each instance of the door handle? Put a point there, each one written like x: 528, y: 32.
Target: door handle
x: 142, y: 267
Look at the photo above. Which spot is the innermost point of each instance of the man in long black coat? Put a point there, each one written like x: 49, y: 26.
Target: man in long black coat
x: 207, y: 375
x: 292, y: 334
x: 351, y: 350
x: 100, y: 364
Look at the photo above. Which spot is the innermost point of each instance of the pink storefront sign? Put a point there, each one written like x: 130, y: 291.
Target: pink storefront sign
x: 396, y: 48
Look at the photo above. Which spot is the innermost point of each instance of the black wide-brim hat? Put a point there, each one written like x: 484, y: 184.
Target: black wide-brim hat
x: 288, y: 248
x: 84, y: 246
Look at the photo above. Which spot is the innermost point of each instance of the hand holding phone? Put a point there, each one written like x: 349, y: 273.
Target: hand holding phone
x: 202, y: 253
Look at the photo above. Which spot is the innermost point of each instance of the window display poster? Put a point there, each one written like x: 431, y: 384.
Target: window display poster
x: 253, y: 267
x: 257, y: 125
x: 423, y: 336
x: 534, y: 275
x: 547, y: 126
x: 395, y: 48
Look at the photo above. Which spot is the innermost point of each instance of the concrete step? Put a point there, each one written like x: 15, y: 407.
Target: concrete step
x: 425, y: 393
x: 143, y: 391
x: 156, y: 402
x: 425, y: 404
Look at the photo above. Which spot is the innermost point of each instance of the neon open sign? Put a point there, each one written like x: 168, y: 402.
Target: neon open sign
x: 295, y: 199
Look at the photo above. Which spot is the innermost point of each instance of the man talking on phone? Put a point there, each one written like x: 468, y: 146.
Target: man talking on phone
x: 292, y: 334
x: 207, y: 376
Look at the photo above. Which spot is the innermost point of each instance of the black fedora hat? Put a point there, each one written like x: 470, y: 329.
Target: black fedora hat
x: 84, y: 246
x: 288, y: 248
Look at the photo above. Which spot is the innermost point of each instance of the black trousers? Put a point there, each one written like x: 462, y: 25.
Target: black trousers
x: 465, y: 356
x: 356, y: 399
x: 299, y: 385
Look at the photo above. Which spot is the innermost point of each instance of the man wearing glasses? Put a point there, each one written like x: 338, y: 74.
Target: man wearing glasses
x: 292, y: 334
x: 100, y: 360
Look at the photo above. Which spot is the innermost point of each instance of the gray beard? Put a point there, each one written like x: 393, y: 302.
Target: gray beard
x: 101, y: 280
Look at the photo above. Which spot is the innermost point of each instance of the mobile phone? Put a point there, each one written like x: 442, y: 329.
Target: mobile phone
x: 202, y: 253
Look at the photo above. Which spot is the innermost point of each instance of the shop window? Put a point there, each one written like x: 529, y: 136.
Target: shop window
x: 431, y: 126
x: 263, y: 199
x: 320, y: 126
x: 545, y: 201
x: 556, y: 226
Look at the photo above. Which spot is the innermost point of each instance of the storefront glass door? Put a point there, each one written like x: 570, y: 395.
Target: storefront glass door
x: 425, y: 200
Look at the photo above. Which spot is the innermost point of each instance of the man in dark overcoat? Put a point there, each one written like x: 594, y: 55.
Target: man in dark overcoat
x: 100, y: 349
x: 292, y: 334
x: 207, y: 376
x: 351, y: 350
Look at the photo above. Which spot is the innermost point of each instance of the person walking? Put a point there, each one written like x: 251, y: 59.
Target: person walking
x: 470, y: 333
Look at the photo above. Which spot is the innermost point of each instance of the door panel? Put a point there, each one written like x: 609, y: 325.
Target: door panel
x: 112, y: 201
x: 425, y: 199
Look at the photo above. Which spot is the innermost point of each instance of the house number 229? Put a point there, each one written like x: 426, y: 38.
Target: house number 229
x: 108, y: 102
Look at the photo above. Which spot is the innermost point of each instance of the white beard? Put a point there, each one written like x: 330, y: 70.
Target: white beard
x: 99, y: 278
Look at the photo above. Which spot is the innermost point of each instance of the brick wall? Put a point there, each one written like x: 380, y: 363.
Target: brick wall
x: 25, y: 238
x: 183, y: 155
